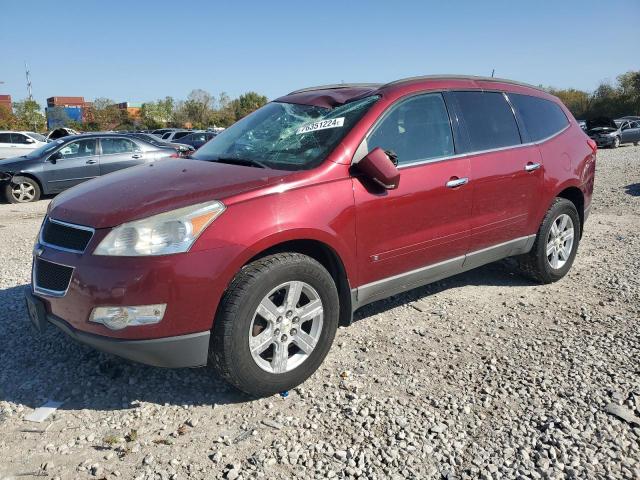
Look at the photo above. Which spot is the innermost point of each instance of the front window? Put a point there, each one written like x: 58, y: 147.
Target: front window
x: 285, y: 136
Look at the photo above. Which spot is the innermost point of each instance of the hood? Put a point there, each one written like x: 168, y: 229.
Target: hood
x: 601, y: 123
x: 13, y: 164
x: 140, y: 192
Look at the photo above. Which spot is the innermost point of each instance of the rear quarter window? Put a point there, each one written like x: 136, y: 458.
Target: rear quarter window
x: 488, y: 121
x: 540, y: 118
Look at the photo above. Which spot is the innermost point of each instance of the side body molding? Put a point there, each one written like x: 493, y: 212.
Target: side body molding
x: 432, y: 273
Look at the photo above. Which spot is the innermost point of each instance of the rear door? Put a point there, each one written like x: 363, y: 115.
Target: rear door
x: 506, y: 176
x: 425, y: 221
x: 72, y: 164
x: 118, y: 153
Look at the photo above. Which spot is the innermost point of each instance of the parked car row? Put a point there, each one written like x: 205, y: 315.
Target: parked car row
x: 58, y: 165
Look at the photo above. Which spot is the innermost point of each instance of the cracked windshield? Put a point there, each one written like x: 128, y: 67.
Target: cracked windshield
x: 285, y: 136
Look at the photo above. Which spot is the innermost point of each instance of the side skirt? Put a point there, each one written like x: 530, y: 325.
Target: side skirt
x: 386, y: 287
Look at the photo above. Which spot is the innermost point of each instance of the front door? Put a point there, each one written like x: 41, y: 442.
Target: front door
x: 74, y: 163
x: 411, y: 235
x: 630, y: 132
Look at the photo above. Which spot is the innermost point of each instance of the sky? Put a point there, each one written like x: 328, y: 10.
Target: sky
x: 144, y: 50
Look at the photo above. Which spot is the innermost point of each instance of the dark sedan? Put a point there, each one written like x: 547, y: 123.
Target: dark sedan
x: 197, y: 139
x: 71, y: 160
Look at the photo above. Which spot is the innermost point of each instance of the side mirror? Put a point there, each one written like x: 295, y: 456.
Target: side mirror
x: 30, y: 140
x: 55, y: 157
x: 380, y: 168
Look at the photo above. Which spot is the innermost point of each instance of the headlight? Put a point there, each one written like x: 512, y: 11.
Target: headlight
x: 163, y: 234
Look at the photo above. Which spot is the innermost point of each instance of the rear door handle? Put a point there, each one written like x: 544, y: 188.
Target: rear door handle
x: 457, y: 182
x: 530, y: 167
x: 136, y: 155
x: 91, y: 162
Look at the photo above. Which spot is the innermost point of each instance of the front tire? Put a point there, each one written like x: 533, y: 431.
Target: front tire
x: 275, y: 324
x: 616, y: 142
x: 556, y: 244
x: 22, y: 190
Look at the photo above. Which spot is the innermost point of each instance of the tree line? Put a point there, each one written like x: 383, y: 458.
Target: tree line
x: 199, y: 110
x: 610, y: 99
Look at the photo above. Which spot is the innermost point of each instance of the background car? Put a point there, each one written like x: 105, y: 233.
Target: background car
x: 175, y: 135
x: 66, y: 162
x: 181, y: 148
x: 197, y: 139
x: 609, y: 133
x: 19, y: 143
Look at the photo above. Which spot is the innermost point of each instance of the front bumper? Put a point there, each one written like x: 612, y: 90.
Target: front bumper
x: 603, y: 141
x: 180, y: 351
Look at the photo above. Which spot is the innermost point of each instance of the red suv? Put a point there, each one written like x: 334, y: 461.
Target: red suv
x: 250, y: 254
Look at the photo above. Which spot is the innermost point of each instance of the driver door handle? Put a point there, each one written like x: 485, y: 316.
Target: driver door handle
x: 457, y: 182
x: 136, y: 155
x: 91, y: 162
x: 530, y: 167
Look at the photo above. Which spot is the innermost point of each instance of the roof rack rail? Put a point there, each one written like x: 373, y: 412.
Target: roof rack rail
x: 333, y: 86
x: 459, y: 77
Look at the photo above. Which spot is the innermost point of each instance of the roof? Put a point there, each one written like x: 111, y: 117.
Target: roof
x: 330, y: 96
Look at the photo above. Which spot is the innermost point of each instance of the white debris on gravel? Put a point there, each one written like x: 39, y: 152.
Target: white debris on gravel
x: 484, y: 375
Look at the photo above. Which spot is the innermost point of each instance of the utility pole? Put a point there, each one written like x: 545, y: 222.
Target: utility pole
x: 28, y: 75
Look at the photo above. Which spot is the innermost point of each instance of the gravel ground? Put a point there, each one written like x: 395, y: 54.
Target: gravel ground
x: 484, y: 375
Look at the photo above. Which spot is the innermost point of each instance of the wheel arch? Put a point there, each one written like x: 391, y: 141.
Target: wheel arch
x: 32, y: 177
x: 575, y: 196
x: 327, y: 256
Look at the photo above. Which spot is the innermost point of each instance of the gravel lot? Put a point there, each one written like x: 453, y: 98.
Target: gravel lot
x: 484, y: 375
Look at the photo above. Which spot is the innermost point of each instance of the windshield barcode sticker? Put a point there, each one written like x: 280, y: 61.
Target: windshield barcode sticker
x: 321, y: 125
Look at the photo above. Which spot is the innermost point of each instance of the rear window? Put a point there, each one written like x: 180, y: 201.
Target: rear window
x: 488, y: 119
x: 541, y: 118
x: 180, y: 135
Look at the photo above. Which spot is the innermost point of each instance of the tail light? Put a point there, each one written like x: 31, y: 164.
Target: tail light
x: 592, y: 144
x: 174, y: 155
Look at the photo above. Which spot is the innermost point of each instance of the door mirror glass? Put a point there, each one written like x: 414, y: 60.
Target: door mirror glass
x: 380, y: 168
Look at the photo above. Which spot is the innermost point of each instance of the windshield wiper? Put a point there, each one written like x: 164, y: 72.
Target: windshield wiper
x: 241, y: 161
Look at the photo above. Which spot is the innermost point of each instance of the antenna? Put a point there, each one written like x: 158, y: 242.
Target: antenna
x: 493, y: 72
x: 28, y: 74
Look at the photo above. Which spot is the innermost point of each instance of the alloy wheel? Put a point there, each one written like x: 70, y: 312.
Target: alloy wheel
x: 286, y: 327
x: 23, y: 192
x: 560, y: 241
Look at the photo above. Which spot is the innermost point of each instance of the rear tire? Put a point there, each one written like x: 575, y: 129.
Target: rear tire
x: 551, y: 256
x: 262, y: 320
x: 22, y: 190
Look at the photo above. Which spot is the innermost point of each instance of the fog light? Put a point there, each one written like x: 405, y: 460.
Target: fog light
x: 117, y: 318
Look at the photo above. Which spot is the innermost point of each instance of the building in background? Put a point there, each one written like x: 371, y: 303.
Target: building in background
x: 5, y: 101
x: 61, y: 110
x: 132, y: 108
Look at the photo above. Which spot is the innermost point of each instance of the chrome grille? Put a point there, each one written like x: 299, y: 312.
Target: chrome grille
x: 65, y: 236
